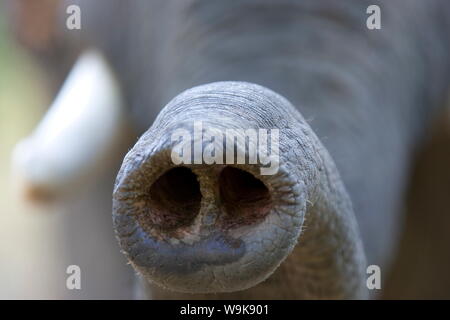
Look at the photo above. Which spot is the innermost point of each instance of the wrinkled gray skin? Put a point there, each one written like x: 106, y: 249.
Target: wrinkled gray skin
x: 207, y: 255
x: 367, y: 95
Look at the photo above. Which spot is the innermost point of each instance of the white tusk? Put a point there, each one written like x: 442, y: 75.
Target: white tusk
x: 79, y: 129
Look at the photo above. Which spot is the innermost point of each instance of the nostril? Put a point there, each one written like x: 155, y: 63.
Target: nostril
x: 245, y: 198
x: 174, y: 199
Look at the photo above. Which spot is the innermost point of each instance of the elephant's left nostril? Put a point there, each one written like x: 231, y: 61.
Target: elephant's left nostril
x: 245, y: 198
x: 174, y: 199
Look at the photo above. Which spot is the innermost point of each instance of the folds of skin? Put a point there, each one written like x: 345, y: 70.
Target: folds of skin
x: 209, y: 253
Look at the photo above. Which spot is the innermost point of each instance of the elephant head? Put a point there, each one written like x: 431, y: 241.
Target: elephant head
x: 196, y: 223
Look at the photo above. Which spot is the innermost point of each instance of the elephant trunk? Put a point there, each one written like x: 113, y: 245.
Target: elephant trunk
x: 197, y: 211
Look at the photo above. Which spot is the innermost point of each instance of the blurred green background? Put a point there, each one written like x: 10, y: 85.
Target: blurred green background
x: 29, y: 251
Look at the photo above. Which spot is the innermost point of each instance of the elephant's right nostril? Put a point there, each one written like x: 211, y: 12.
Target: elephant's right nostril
x: 174, y: 199
x: 245, y: 198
